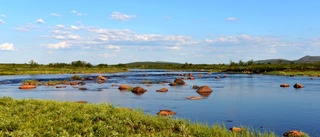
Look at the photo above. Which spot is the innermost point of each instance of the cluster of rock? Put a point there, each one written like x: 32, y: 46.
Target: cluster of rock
x: 100, y: 79
x: 297, y: 85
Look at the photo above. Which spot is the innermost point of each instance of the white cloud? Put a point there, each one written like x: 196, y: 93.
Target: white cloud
x: 74, y: 37
x: 55, y: 15
x: 60, y: 26
x: 232, y: 19
x: 40, y: 21
x: 2, y: 22
x: 77, y: 13
x: 58, y: 37
x: 60, y: 45
x: 74, y: 27
x: 106, y: 55
x: 2, y: 15
x: 173, y: 48
x: 121, y: 16
x: 7, y: 46
x: 115, y: 48
x: 247, y: 40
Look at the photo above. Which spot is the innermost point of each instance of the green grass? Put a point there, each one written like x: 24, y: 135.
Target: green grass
x: 19, y: 69
x: 29, y: 117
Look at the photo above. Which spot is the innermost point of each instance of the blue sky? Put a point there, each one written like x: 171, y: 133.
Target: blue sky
x: 112, y: 32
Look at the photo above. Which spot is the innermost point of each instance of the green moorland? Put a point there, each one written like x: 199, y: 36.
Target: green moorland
x: 30, y: 117
x: 278, y: 68
x: 58, y: 68
x: 306, y: 69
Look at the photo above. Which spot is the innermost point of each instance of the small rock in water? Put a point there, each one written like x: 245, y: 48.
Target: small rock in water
x: 293, y: 133
x: 27, y: 87
x: 173, y: 84
x: 284, y: 85
x: 297, y: 85
x: 138, y: 90
x: 166, y: 113
x: 162, y: 90
x: 82, y: 88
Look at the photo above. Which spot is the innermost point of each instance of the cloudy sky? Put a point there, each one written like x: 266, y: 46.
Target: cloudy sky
x: 202, y: 31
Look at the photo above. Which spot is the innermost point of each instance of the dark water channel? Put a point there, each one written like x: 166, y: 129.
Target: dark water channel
x: 255, y: 101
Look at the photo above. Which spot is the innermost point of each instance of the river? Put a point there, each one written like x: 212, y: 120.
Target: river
x: 251, y: 100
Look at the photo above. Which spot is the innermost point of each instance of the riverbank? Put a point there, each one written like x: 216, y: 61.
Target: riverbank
x: 306, y: 69
x: 22, y: 69
x: 29, y: 117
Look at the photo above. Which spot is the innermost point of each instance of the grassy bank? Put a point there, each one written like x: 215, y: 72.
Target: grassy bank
x: 30, y: 117
x: 18, y: 69
x: 306, y: 69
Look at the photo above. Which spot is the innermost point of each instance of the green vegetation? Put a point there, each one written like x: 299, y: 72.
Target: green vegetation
x: 305, y: 66
x: 31, y: 82
x: 242, y: 67
x: 76, y: 77
x: 58, y: 68
x: 30, y: 117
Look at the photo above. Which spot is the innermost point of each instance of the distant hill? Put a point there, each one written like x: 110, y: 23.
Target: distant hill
x: 153, y: 63
x: 305, y: 59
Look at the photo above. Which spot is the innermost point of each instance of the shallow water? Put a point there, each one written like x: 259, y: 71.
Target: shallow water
x: 255, y: 101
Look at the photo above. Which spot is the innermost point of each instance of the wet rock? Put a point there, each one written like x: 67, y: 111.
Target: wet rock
x: 113, y: 85
x: 83, y: 88
x: 217, y: 77
x: 284, y: 85
x: 61, y: 86
x: 204, y: 89
x: 162, y: 90
x: 124, y: 87
x: 179, y: 81
x: 73, y: 83
x: 237, y: 129
x: 195, y: 87
x: 102, y: 78
x: 27, y: 87
x: 138, y: 90
x: 81, y: 101
x: 204, y: 94
x: 90, y: 78
x: 293, y: 133
x: 297, y: 85
x: 81, y: 83
x: 166, y: 113
x: 173, y: 84
x: 195, y: 98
